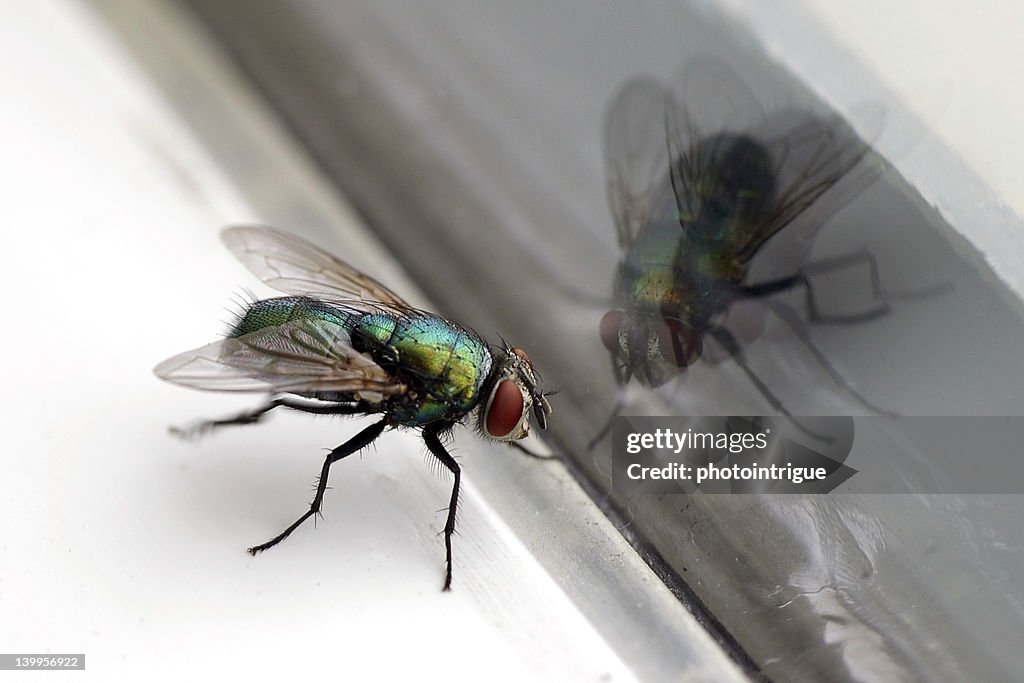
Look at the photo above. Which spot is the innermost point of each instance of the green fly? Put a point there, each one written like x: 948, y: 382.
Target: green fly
x: 700, y: 181
x: 342, y: 343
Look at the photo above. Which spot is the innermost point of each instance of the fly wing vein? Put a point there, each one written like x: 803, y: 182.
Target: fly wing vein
x: 295, y: 266
x: 299, y: 356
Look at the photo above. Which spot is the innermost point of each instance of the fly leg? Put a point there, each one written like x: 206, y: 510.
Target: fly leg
x: 880, y: 294
x: 431, y: 435
x: 765, y: 289
x: 622, y: 376
x: 353, y: 445
x: 725, y: 338
x: 203, y: 427
x: 838, y: 263
x: 533, y: 454
x: 789, y: 316
x: 607, y: 427
x: 728, y: 341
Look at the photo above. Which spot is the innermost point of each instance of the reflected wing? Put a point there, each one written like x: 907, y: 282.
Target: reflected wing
x: 811, y: 155
x: 648, y: 124
x: 707, y: 98
x: 293, y: 265
x: 300, y: 356
x: 636, y: 155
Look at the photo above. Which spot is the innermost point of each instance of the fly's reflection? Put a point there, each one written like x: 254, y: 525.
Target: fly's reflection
x: 700, y: 181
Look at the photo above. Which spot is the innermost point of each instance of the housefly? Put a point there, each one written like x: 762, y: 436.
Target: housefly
x: 700, y: 181
x: 341, y: 343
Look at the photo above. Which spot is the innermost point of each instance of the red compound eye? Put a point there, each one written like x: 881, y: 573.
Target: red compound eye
x: 609, y: 330
x: 522, y: 354
x: 679, y: 344
x: 505, y: 410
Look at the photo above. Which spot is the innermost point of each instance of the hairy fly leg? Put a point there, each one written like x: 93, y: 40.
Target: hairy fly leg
x: 203, y: 427
x: 353, y: 445
x: 432, y: 437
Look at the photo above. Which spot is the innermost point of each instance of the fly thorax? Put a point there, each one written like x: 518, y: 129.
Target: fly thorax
x: 740, y: 178
x: 511, y: 392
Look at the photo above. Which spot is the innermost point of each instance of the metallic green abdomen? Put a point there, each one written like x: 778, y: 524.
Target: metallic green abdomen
x: 274, y: 312
x: 443, y: 364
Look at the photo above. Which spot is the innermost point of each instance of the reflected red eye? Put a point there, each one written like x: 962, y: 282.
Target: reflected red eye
x: 679, y: 344
x: 609, y: 330
x: 505, y: 409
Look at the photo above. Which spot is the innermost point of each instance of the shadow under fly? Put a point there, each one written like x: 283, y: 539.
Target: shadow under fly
x: 701, y: 179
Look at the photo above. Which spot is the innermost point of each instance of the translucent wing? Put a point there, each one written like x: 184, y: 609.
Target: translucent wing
x: 636, y: 155
x: 647, y: 124
x: 708, y: 98
x: 301, y: 356
x: 811, y: 156
x: 290, y: 264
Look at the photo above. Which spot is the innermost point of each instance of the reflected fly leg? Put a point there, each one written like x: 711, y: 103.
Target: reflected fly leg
x: 802, y: 278
x: 622, y: 376
x: 533, y: 454
x: 353, y: 445
x: 790, y: 317
x: 839, y: 263
x: 878, y: 292
x: 607, y: 427
x: 728, y: 341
